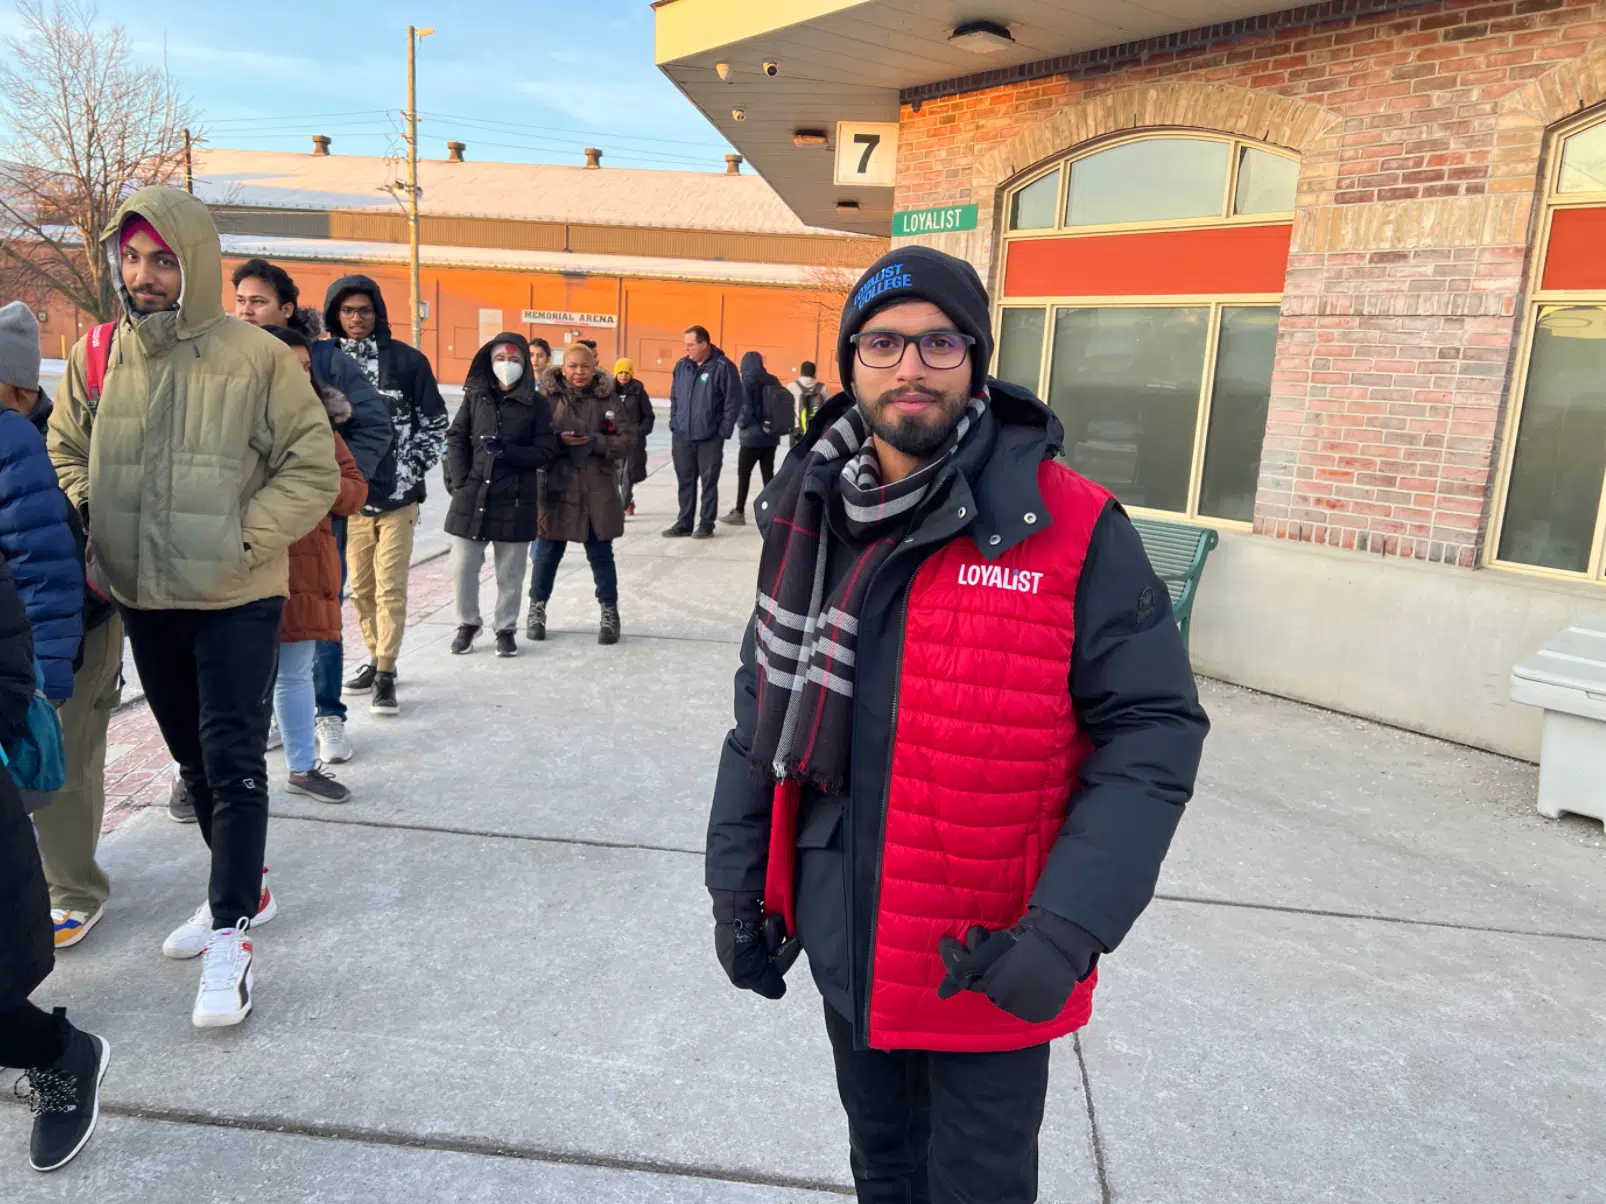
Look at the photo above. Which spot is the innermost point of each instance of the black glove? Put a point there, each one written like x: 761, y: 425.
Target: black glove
x: 1029, y: 970
x: 740, y: 945
x: 491, y: 445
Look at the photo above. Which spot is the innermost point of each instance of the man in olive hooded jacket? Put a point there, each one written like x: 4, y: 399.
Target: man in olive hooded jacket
x: 200, y: 458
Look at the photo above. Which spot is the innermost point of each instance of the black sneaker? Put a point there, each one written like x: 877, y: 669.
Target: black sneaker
x: 535, y: 621
x: 505, y: 645
x: 735, y: 518
x: 360, y: 682
x: 703, y: 533
x: 463, y: 641
x: 65, y: 1098
x: 315, y: 783
x: 677, y: 532
x: 180, y: 806
x: 384, y: 699
x: 610, y: 625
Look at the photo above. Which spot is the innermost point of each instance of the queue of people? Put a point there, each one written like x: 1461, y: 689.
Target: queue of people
x: 208, y: 483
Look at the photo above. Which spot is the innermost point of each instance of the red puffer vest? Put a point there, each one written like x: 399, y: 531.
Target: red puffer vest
x: 986, y: 750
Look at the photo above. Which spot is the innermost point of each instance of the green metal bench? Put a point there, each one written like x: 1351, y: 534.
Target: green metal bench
x: 1178, y: 552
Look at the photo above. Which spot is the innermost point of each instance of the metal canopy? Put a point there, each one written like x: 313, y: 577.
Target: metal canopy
x: 848, y: 61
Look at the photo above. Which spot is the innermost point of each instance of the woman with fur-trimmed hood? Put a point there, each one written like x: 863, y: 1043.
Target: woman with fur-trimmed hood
x: 581, y: 503
x: 312, y: 611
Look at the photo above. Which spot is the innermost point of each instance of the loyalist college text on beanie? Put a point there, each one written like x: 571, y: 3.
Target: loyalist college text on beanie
x: 19, y: 347
x: 921, y: 274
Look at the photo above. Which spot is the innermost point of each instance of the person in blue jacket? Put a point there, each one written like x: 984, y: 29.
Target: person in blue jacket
x: 36, y: 535
x: 266, y: 295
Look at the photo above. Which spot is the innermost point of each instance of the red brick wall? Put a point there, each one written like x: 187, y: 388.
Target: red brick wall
x: 1410, y: 248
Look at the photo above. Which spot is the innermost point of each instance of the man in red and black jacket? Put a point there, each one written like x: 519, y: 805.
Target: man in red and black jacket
x: 966, y: 729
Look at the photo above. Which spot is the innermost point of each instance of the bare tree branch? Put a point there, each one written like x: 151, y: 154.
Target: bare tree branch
x: 87, y: 126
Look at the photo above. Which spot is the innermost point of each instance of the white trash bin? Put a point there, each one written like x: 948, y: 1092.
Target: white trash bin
x: 1567, y: 679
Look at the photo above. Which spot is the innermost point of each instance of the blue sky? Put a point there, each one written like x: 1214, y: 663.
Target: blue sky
x: 530, y: 81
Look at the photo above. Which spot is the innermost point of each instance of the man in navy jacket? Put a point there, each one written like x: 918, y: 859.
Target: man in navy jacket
x: 705, y: 395
x: 266, y: 295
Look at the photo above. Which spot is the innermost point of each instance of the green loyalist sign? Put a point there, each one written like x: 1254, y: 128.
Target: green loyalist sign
x: 943, y: 220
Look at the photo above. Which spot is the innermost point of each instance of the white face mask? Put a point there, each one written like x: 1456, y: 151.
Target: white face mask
x: 508, y: 372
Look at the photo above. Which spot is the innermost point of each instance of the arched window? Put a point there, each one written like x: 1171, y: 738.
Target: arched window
x: 1550, y: 514
x: 1141, y: 287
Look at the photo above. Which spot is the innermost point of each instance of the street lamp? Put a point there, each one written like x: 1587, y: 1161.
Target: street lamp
x: 413, y: 36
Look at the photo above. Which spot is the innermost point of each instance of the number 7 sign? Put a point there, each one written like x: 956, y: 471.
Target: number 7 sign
x: 867, y: 153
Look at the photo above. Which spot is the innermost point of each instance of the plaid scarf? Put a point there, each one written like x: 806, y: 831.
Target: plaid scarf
x: 807, y: 640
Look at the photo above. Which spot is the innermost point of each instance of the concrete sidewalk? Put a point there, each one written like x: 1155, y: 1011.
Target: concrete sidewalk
x: 1373, y: 974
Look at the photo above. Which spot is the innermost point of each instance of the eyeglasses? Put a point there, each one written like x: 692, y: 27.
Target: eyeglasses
x: 938, y: 349
x: 356, y: 311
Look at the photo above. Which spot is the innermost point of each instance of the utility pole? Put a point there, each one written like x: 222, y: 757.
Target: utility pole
x: 189, y: 165
x: 413, y: 35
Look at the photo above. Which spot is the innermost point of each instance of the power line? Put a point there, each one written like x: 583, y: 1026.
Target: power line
x: 652, y: 161
x: 624, y: 154
x: 569, y: 148
x: 277, y: 120
x: 514, y: 127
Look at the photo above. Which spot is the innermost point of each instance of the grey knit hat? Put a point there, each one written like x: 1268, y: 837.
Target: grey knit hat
x: 19, y: 346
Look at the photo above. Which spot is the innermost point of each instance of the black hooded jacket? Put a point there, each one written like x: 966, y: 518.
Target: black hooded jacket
x: 26, y: 946
x: 417, y: 411
x: 1129, y: 680
x: 368, y: 433
x: 750, y: 424
x: 496, y: 495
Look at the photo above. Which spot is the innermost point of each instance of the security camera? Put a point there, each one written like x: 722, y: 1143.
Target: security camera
x: 739, y: 114
x: 771, y: 68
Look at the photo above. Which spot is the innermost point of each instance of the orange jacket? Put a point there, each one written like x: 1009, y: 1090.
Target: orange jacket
x: 313, y: 609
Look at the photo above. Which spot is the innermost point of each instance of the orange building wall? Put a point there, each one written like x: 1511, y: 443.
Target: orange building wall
x: 788, y: 325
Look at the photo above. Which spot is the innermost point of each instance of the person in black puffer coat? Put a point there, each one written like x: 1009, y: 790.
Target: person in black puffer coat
x: 757, y: 445
x: 63, y: 1064
x: 496, y: 449
x: 637, y: 407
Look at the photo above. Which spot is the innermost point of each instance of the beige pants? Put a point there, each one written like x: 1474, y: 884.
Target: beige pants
x: 379, y: 549
x: 69, y: 828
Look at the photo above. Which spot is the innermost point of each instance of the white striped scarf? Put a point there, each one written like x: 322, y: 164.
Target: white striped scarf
x: 806, y: 640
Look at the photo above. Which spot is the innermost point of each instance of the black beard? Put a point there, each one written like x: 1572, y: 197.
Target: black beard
x: 908, y: 434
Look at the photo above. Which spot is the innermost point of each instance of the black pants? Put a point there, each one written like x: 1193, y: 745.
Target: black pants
x: 764, y: 457
x: 940, y: 1128
x: 208, y: 675
x: 698, y: 464
x: 30, y: 1037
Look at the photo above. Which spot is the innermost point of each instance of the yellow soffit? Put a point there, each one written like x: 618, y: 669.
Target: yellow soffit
x: 691, y: 27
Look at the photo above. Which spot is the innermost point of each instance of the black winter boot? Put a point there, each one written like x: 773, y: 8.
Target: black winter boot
x: 610, y: 625
x: 535, y: 621
x: 65, y: 1097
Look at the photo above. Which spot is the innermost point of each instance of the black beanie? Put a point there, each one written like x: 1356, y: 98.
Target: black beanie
x: 921, y: 274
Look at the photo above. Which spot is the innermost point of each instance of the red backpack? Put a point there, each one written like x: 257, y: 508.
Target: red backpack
x: 97, y: 357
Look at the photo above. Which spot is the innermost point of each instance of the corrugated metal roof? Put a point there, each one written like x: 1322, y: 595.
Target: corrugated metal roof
x: 634, y: 266
x: 688, y: 200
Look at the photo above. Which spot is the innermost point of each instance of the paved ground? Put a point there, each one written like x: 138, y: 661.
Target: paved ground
x: 1374, y: 974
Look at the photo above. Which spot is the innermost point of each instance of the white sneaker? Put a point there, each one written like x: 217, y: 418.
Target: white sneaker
x: 275, y: 738
x: 333, y: 744
x: 189, y: 939
x: 225, y: 994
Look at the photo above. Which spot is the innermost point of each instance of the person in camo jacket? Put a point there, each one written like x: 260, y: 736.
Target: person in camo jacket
x: 379, y: 541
